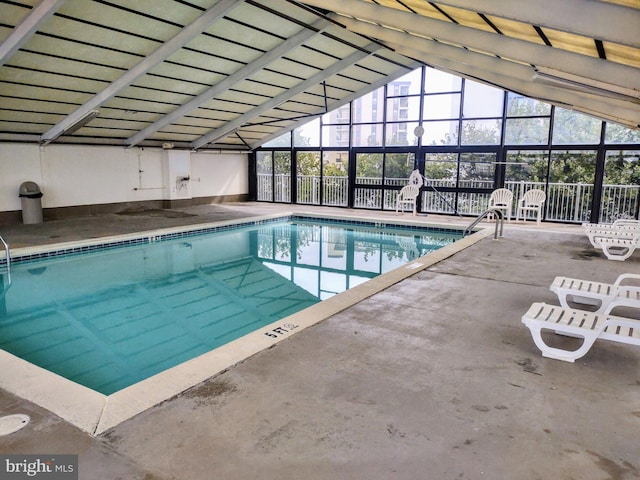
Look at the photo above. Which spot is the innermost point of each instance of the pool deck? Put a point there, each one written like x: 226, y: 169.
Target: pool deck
x: 434, y: 377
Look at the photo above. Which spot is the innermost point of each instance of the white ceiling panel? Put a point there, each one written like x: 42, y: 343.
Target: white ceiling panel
x: 110, y: 17
x: 36, y: 62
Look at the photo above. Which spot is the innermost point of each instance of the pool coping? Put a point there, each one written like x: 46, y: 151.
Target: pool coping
x: 96, y: 413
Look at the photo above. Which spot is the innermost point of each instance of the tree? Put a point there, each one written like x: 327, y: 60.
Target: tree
x: 442, y: 166
x: 622, y: 167
x: 571, y: 127
x: 619, y: 134
x: 369, y: 165
x: 398, y: 165
x: 308, y: 163
x: 527, y: 165
x: 300, y: 140
x: 476, y: 132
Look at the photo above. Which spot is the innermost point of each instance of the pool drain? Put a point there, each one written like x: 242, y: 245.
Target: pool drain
x: 13, y: 423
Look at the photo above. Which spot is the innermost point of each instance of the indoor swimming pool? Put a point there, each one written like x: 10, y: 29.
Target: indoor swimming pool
x: 107, y: 316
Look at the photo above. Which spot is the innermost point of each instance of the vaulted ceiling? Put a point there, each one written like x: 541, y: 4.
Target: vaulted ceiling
x: 232, y: 74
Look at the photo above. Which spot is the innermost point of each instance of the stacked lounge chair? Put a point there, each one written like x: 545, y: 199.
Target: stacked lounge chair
x: 617, y: 240
x: 587, y: 325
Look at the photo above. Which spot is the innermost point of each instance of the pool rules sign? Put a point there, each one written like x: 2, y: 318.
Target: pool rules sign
x: 49, y: 467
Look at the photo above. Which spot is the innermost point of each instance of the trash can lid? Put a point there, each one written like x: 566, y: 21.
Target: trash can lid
x: 30, y: 190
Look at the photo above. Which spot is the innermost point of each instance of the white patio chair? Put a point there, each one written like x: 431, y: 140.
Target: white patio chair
x: 531, y: 201
x: 407, y: 198
x: 501, y: 199
x: 409, y: 246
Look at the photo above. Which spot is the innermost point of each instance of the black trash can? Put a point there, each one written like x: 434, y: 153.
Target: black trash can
x: 31, y: 200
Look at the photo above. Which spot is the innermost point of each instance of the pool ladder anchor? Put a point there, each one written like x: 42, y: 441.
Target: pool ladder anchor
x: 7, y: 253
x: 499, y: 222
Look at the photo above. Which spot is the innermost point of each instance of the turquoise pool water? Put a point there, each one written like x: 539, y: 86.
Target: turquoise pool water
x: 114, y: 315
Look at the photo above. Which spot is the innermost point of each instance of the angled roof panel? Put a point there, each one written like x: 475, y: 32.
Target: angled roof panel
x: 515, y: 29
x: 213, y: 85
x: 426, y: 9
x: 622, y: 54
x: 571, y: 42
x: 467, y: 18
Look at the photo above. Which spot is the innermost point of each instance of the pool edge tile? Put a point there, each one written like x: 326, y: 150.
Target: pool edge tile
x: 75, y: 403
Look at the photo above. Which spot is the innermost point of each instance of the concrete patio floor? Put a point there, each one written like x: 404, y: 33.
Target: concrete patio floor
x: 433, y: 378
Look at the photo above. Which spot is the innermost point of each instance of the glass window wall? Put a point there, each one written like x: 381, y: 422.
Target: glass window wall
x: 621, y: 185
x: 481, y: 132
x: 436, y: 81
x: 335, y: 178
x: 482, y: 101
x: 441, y: 106
x: 264, y: 170
x: 467, y: 139
x: 570, y: 187
x: 308, y: 177
x: 282, y: 177
x: 571, y: 127
x: 527, y: 131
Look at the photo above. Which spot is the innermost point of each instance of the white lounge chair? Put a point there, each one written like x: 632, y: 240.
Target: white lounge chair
x: 599, y: 294
x: 407, y: 198
x: 501, y: 199
x: 618, y: 222
x: 577, y: 323
x: 623, y: 230
x: 618, y: 240
x: 531, y: 201
x: 618, y: 248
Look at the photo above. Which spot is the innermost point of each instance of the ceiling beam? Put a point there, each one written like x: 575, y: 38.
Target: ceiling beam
x: 480, y: 59
x: 224, y: 85
x: 188, y: 33
x: 491, y: 43
x: 21, y: 33
x: 600, y: 20
x: 343, y: 101
x: 236, y: 123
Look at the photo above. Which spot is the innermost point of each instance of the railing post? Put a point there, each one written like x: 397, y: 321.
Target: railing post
x: 576, y: 208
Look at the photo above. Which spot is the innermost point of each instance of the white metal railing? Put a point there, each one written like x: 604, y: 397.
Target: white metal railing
x: 567, y: 202
x: 618, y: 201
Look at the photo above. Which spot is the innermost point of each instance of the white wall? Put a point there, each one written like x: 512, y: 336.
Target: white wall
x: 72, y: 175
x: 223, y: 173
